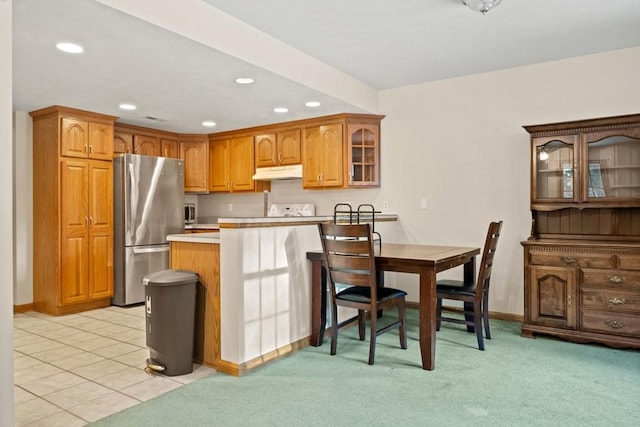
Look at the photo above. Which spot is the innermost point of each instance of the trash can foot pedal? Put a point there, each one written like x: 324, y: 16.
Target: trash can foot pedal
x: 155, y: 366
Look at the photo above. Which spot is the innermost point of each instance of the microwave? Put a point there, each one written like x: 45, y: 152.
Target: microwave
x: 189, y: 213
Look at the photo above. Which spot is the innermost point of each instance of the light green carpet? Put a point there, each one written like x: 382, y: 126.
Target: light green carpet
x: 515, y: 382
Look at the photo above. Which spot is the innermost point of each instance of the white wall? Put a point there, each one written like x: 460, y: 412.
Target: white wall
x: 6, y: 221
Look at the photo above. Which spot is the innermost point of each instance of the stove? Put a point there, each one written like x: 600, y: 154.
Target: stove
x: 292, y: 210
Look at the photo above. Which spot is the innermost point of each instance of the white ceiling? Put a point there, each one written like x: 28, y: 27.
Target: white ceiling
x: 177, y: 60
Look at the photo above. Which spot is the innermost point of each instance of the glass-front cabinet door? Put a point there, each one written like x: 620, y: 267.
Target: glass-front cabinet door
x: 554, y: 170
x: 612, y: 169
x: 364, y: 155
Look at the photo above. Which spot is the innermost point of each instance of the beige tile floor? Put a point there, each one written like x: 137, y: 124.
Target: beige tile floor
x: 75, y: 369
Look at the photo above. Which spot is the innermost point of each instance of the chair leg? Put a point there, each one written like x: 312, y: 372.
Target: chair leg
x: 469, y: 316
x: 334, y: 328
x: 403, y: 325
x: 438, y: 313
x: 477, y: 322
x: 374, y: 334
x: 361, y: 324
x: 485, y: 315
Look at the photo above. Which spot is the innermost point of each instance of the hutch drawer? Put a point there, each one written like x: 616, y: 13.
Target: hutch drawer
x: 572, y: 259
x: 610, y: 299
x: 611, y: 278
x: 610, y: 322
x: 629, y: 261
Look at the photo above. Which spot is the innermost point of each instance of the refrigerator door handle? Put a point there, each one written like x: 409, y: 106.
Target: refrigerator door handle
x: 150, y: 250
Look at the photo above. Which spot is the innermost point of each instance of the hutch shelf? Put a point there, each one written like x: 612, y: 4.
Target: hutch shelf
x: 582, y: 260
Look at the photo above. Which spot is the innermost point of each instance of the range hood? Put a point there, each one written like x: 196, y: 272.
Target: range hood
x: 278, y: 172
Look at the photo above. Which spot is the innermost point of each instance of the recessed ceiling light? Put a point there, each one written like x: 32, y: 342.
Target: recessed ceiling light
x: 280, y: 109
x: 312, y: 104
x: 208, y: 124
x: 70, y: 47
x: 127, y: 106
x: 244, y: 80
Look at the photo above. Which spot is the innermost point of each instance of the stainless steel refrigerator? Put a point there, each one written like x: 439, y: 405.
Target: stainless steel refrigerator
x: 148, y: 194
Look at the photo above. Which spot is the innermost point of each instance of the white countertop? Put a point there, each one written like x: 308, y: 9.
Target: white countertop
x: 270, y: 221
x: 215, y: 226
x: 195, y: 238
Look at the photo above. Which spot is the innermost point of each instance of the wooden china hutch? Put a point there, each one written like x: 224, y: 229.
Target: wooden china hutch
x: 582, y: 261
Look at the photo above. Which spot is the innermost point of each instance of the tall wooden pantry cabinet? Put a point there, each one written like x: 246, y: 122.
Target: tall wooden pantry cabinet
x: 72, y: 210
x: 582, y: 261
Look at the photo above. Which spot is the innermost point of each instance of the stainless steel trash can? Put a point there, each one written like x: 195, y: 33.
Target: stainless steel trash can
x: 170, y: 300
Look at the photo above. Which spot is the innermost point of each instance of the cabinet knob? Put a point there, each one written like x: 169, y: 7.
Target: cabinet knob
x: 615, y: 324
x: 616, y: 301
x: 615, y: 279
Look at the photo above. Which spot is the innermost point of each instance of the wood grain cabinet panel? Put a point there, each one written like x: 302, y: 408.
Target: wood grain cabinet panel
x: 73, y: 210
x: 276, y: 149
x: 322, y: 155
x: 170, y: 148
x: 232, y: 165
x: 122, y: 142
x: 196, y: 166
x: 147, y: 145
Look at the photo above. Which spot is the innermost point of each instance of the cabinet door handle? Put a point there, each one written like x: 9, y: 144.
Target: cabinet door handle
x: 226, y: 184
x: 569, y: 260
x: 280, y: 157
x: 90, y: 149
x: 616, y: 301
x: 615, y: 324
x: 273, y: 157
x: 615, y: 279
x: 86, y: 221
x: 569, y: 300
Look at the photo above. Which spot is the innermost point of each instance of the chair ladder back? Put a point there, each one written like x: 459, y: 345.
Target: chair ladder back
x: 489, y: 251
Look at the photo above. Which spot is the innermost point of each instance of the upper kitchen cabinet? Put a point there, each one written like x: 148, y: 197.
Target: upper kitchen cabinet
x: 322, y: 156
x: 194, y: 151
x: 72, y: 210
x: 122, y: 142
x: 86, y: 137
x: 589, y: 163
x: 147, y: 145
x: 232, y: 165
x: 342, y: 151
x: 281, y: 148
x: 170, y: 148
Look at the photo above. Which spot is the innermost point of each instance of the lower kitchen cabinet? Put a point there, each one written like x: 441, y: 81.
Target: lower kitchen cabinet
x: 86, y: 207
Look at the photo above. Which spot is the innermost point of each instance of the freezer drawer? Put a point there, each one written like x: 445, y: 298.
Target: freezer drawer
x: 138, y: 262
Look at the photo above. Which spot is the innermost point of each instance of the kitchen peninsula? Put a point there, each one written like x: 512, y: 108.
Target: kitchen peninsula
x: 254, y: 296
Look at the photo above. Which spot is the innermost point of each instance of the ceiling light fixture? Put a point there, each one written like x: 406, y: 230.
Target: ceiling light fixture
x: 208, y: 123
x: 244, y: 80
x: 482, y: 6
x: 70, y: 47
x: 127, y: 106
x: 280, y: 109
x: 312, y: 104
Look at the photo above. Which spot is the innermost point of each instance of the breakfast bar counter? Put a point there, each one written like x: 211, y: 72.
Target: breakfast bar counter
x: 254, y: 295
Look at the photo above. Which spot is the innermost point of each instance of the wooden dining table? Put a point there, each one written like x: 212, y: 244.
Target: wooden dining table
x: 424, y: 260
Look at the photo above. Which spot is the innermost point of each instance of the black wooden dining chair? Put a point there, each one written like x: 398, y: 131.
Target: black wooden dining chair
x: 475, y: 296
x: 350, y: 260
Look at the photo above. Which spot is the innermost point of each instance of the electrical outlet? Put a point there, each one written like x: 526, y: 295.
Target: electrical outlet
x: 385, y: 205
x: 423, y: 203
x: 230, y: 207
